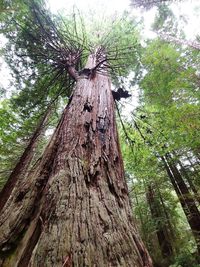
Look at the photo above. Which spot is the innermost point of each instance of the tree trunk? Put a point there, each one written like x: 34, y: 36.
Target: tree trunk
x: 195, y: 167
x: 140, y: 215
x: 190, y: 182
x: 162, y: 231
x: 75, y: 210
x: 186, y: 199
x: 172, y: 233
x: 188, y: 176
x: 24, y: 162
x: 172, y: 39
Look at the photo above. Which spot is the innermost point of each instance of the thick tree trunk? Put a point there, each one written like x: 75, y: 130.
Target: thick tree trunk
x: 75, y: 210
x: 186, y: 199
x: 162, y: 231
x: 22, y: 166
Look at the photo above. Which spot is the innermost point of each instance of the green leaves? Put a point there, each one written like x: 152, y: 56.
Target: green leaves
x: 41, y: 47
x: 166, y: 121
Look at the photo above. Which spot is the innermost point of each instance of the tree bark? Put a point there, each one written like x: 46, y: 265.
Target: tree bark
x: 186, y: 199
x: 75, y: 210
x: 190, y: 182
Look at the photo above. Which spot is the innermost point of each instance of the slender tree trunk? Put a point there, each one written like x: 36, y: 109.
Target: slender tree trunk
x: 172, y: 39
x: 190, y: 182
x: 186, y: 199
x: 24, y: 162
x: 196, y: 153
x: 75, y: 209
x: 170, y: 227
x: 140, y: 220
x: 194, y: 166
x: 184, y: 173
x: 162, y: 232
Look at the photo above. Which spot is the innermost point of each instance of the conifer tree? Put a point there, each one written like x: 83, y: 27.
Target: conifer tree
x: 73, y: 207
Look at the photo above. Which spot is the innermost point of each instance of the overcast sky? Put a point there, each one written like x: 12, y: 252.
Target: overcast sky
x: 108, y: 7
x: 189, y: 8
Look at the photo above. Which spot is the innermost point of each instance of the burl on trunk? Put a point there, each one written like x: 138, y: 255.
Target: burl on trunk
x: 73, y: 209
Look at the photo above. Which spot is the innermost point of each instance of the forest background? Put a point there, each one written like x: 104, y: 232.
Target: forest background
x: 159, y: 125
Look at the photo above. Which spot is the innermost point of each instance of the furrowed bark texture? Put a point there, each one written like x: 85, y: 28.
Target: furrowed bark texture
x: 75, y: 210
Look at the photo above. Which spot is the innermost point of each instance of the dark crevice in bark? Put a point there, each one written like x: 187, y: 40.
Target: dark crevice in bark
x: 9, y: 247
x: 21, y: 195
x: 88, y: 73
x: 87, y: 107
x: 24, y: 261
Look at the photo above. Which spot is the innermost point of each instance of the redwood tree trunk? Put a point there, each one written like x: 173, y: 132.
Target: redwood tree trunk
x: 190, y: 182
x: 75, y: 210
x: 186, y: 199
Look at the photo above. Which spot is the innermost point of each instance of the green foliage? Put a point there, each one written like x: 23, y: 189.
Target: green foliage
x: 166, y: 121
x: 41, y: 46
x: 167, y: 69
x: 11, y: 140
x: 185, y: 259
x: 15, y: 133
x: 170, y: 90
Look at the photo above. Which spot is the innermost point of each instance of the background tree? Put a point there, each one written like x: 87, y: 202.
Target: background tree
x: 168, y: 92
x: 149, y: 3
